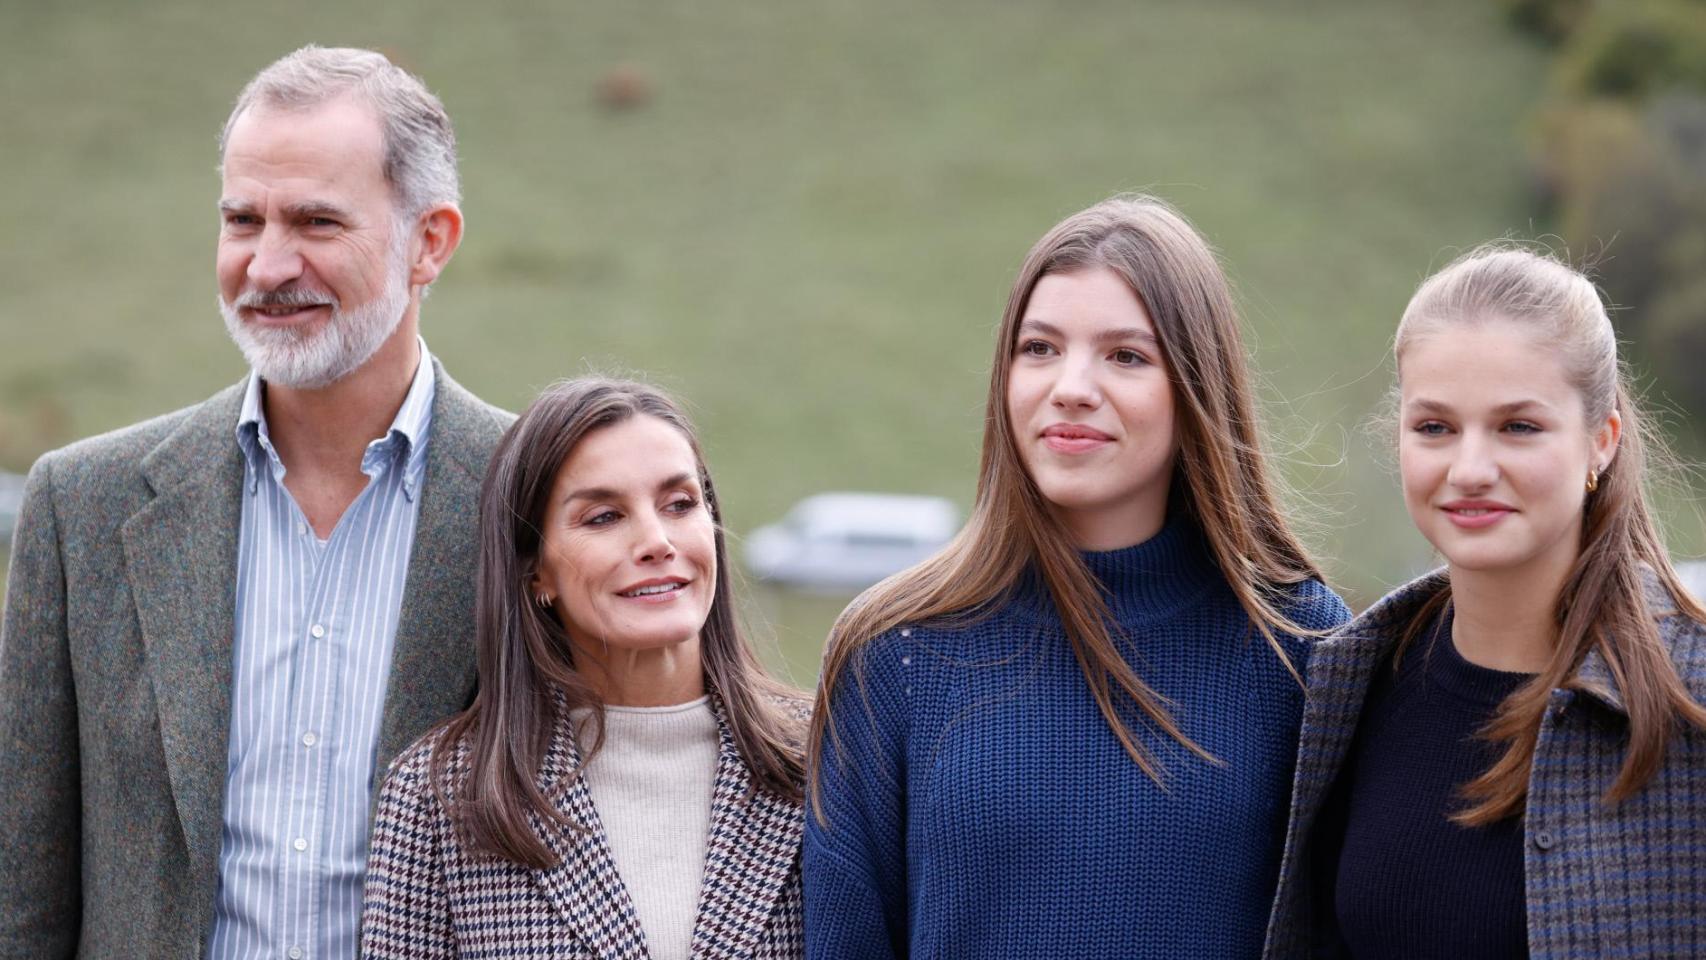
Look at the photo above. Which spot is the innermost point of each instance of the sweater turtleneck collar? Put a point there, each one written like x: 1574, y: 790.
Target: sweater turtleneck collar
x: 1148, y: 580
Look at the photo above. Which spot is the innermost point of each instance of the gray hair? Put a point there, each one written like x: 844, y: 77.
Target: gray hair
x: 420, y: 146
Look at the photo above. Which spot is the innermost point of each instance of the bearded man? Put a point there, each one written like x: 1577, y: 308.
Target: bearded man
x: 222, y: 623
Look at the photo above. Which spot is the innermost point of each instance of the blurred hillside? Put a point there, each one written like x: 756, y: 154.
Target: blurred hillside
x: 802, y: 217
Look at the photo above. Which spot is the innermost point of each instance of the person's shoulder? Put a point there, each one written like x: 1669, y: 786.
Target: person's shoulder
x: 116, y: 458
x: 1313, y: 605
x: 127, y: 445
x: 1682, y: 635
x: 465, y: 411
x: 794, y: 704
x: 411, y: 771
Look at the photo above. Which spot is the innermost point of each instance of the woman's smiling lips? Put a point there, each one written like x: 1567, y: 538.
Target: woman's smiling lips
x: 1474, y: 514
x: 1074, y: 438
x: 655, y: 590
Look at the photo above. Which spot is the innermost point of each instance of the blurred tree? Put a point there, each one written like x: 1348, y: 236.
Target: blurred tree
x: 1634, y: 49
x: 1551, y: 20
x: 1621, y: 163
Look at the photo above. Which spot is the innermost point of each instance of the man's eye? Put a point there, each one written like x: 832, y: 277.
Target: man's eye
x: 321, y: 222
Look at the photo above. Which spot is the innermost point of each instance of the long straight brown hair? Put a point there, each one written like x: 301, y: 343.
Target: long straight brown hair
x: 1220, y: 480
x: 526, y: 664
x: 1603, y: 605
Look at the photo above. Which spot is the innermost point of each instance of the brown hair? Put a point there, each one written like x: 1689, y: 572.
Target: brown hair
x: 1603, y: 604
x: 1220, y: 478
x: 525, y: 661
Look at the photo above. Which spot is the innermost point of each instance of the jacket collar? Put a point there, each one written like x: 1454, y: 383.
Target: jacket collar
x: 180, y: 554
x: 1683, y: 639
x: 751, y: 856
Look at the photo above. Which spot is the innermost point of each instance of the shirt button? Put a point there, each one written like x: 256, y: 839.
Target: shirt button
x: 317, y: 630
x: 906, y: 632
x: 300, y: 844
x: 308, y: 739
x: 301, y: 531
x: 294, y: 953
x: 1544, y: 840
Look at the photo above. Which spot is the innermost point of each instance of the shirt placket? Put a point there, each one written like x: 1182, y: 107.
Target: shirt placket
x: 315, y: 732
x: 308, y: 738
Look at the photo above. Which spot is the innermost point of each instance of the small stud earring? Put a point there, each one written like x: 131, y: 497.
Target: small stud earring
x: 1593, y: 479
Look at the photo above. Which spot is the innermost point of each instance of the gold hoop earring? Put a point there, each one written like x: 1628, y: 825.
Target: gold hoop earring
x: 1593, y: 479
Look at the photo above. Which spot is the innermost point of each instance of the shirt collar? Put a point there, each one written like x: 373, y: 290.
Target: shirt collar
x: 409, y: 426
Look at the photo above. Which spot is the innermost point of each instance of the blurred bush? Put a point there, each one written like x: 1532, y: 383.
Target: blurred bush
x: 1551, y: 20
x: 1620, y: 162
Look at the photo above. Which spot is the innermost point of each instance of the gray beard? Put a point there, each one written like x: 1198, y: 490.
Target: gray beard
x: 348, y: 339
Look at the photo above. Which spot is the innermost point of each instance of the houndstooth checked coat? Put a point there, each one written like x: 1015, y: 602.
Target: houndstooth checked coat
x: 1627, y: 881
x: 427, y: 897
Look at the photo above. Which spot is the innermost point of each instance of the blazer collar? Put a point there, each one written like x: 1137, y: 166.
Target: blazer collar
x: 1683, y: 640
x: 1339, y: 672
x: 751, y: 858
x: 180, y: 554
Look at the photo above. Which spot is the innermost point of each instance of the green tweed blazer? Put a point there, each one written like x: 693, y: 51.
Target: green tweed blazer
x: 115, y: 669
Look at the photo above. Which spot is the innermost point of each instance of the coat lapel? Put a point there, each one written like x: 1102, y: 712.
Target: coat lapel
x: 180, y: 554
x: 1340, y: 670
x: 432, y: 660
x: 584, y: 886
x: 751, y: 859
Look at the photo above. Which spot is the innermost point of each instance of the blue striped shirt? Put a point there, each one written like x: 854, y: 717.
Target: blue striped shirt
x: 316, y: 621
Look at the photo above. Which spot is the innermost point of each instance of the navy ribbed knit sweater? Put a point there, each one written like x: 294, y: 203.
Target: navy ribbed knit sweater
x: 980, y: 806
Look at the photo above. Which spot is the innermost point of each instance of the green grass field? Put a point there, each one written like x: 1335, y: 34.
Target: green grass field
x: 809, y: 230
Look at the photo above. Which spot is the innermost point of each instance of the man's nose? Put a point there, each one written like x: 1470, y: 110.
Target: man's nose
x: 276, y: 260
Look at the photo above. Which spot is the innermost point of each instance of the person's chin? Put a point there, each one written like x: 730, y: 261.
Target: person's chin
x: 1486, y: 556
x: 657, y: 634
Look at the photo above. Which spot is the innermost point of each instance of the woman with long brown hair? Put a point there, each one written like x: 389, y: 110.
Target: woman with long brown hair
x: 1507, y: 757
x: 1071, y: 732
x: 627, y: 781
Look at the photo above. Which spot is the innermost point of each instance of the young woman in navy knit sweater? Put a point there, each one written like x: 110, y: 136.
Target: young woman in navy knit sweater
x: 1071, y: 733
x: 1507, y: 758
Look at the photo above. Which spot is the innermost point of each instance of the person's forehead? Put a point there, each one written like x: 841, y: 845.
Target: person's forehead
x: 340, y: 140
x: 632, y: 451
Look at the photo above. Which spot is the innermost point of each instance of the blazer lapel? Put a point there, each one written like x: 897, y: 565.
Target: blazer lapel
x: 432, y: 660
x: 753, y: 853
x: 584, y: 886
x: 1340, y: 670
x: 180, y: 553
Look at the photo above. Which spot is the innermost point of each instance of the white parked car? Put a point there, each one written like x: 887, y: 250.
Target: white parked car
x: 11, y: 501
x: 848, y: 541
x: 1693, y: 575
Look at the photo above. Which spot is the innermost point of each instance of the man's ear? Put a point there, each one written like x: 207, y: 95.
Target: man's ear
x: 439, y: 230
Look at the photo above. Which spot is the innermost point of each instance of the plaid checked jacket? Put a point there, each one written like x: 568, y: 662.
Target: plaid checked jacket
x: 427, y: 897
x: 1626, y: 881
